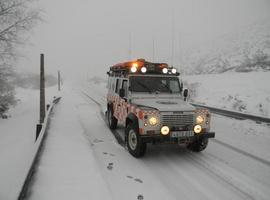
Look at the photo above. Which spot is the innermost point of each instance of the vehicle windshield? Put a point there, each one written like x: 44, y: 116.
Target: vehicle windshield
x: 154, y: 84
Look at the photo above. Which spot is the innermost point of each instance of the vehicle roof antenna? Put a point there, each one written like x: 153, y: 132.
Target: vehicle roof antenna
x: 129, y: 47
x: 172, y: 61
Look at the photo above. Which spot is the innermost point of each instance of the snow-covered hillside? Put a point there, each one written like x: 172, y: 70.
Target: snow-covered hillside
x: 244, y: 92
x: 247, y: 49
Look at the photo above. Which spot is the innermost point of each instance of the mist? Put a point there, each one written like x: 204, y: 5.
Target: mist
x: 83, y: 38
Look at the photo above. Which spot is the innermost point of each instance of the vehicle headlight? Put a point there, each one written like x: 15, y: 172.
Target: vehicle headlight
x: 197, y: 129
x: 153, y: 121
x: 165, y: 130
x: 199, y: 119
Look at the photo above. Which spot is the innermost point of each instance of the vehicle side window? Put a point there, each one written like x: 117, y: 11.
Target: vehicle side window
x: 109, y: 83
x: 125, y: 87
x: 117, y: 86
x: 112, y: 84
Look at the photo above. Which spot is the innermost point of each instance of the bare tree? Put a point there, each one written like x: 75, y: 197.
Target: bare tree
x: 17, y: 18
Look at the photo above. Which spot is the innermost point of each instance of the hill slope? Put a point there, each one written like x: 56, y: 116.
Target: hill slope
x: 245, y: 50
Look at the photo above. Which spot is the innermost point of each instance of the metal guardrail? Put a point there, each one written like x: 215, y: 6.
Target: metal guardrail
x: 39, y: 142
x: 233, y: 114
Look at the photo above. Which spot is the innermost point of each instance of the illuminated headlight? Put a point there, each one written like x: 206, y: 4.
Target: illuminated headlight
x: 174, y: 71
x: 165, y: 130
x: 133, y: 69
x: 165, y: 70
x: 143, y: 69
x: 197, y: 129
x: 199, y: 119
x: 153, y: 121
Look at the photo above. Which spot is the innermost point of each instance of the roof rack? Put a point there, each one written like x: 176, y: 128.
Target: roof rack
x: 141, y: 66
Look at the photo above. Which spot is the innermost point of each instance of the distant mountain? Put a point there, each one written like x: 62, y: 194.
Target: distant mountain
x: 243, y: 51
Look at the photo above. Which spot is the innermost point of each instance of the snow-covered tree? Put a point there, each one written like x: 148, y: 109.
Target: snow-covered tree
x: 17, y: 18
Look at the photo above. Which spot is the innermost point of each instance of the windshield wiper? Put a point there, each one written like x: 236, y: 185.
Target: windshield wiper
x: 169, y: 89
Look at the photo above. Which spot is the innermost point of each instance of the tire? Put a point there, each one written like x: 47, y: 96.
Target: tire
x: 198, y: 145
x: 112, y: 121
x: 136, y: 146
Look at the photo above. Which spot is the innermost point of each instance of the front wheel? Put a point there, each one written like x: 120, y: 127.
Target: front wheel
x: 198, y: 145
x: 136, y: 146
x: 112, y: 121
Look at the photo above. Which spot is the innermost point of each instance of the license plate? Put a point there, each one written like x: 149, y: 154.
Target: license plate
x: 177, y: 134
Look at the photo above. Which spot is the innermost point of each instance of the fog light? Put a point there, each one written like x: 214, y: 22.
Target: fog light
x: 165, y: 130
x: 197, y: 129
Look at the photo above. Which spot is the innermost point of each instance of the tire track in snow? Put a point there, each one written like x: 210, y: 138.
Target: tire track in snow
x: 261, y: 160
x: 116, y: 134
x: 111, y: 159
x: 214, y: 171
x: 194, y: 174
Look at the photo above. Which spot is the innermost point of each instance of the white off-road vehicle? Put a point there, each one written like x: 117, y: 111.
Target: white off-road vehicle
x: 149, y: 101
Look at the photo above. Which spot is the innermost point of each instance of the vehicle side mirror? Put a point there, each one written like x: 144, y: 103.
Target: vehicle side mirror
x: 122, y: 92
x: 185, y: 94
x: 181, y: 86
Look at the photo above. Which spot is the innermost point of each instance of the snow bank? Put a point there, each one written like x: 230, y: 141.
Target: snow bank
x: 17, y: 140
x: 242, y: 92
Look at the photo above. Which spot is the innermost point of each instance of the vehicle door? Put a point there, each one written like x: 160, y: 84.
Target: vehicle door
x: 123, y: 102
x: 117, y: 99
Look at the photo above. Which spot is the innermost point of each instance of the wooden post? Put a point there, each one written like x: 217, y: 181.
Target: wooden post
x: 42, y: 90
x: 59, y: 81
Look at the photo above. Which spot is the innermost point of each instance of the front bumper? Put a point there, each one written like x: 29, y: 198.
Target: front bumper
x: 161, y: 138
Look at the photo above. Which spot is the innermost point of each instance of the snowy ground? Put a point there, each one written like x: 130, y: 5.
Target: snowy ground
x: 236, y: 165
x: 82, y: 159
x: 244, y: 92
x: 17, y: 141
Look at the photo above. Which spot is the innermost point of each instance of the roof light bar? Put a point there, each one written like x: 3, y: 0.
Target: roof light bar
x: 142, y: 67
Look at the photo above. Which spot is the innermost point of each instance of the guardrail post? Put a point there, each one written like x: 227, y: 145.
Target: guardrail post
x: 42, y: 109
x: 38, y: 129
x: 42, y: 90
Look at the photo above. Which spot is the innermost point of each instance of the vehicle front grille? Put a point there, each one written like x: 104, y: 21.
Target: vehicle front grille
x: 177, y: 120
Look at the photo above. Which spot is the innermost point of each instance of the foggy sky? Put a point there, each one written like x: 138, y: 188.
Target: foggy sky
x: 84, y: 37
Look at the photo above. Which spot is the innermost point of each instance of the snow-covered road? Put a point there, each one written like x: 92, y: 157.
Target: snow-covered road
x: 83, y: 160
